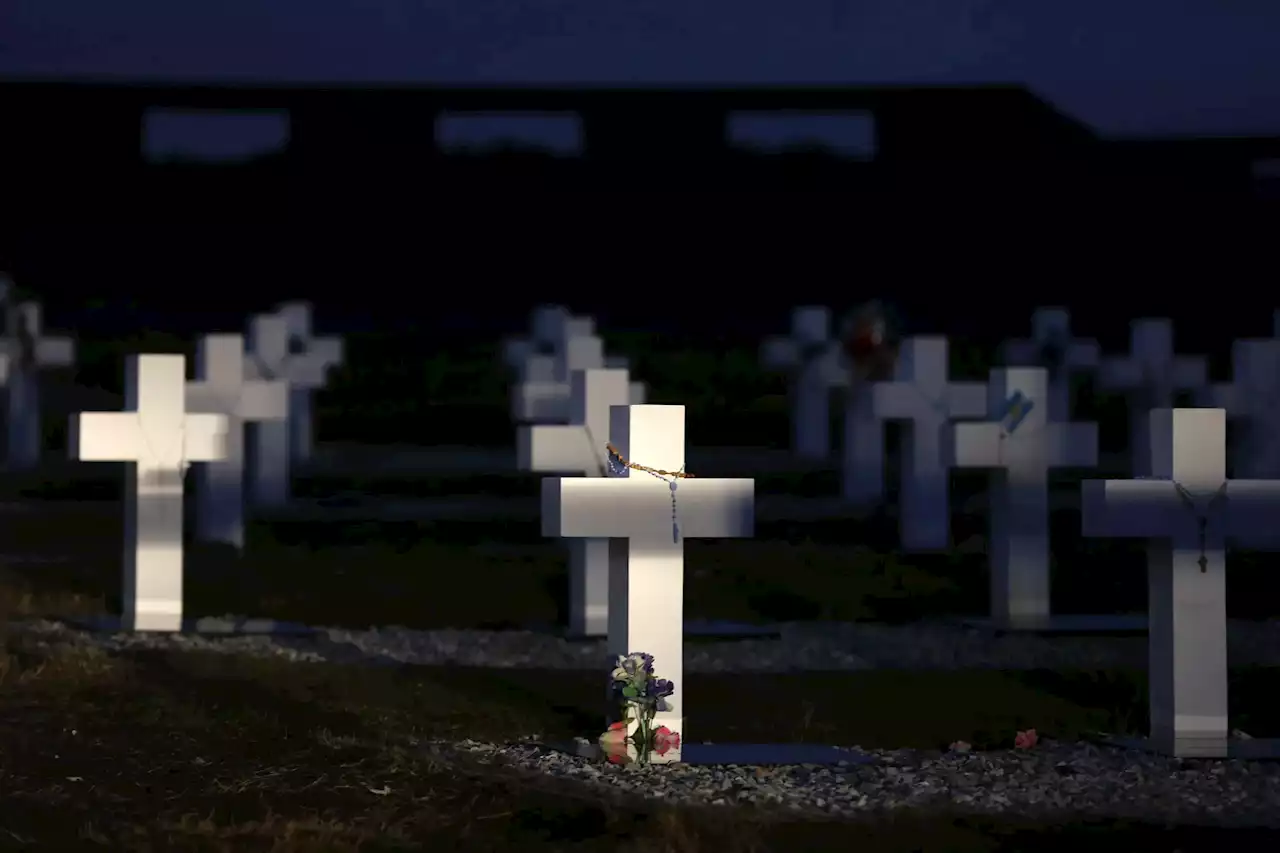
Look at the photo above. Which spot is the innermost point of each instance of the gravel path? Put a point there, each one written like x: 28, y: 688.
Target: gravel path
x: 1053, y: 781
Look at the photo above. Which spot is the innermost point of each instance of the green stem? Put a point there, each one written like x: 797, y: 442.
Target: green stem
x: 644, y: 737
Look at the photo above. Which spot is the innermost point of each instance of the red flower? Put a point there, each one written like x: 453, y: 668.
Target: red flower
x: 664, y: 740
x: 1025, y: 740
x: 615, y: 736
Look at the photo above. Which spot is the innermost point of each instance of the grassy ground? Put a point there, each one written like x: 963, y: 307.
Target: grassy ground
x: 210, y: 752
x: 492, y: 573
x: 190, y: 751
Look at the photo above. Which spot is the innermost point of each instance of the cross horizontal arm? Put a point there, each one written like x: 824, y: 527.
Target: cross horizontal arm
x: 1138, y: 509
x: 562, y: 448
x: 54, y: 352
x: 106, y: 437
x: 639, y: 508
x: 1251, y: 510
x: 204, y: 438
x: 968, y: 400
x: 972, y: 445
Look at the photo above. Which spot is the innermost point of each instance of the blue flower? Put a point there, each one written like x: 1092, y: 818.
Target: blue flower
x: 659, y: 688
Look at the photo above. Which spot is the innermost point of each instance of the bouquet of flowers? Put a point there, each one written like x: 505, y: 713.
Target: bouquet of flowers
x: 641, y: 695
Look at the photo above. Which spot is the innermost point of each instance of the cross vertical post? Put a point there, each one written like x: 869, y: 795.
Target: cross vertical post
x: 222, y: 389
x: 1187, y: 510
x: 327, y: 350
x: 268, y: 359
x: 157, y: 438
x: 813, y: 358
x: 27, y: 350
x: 579, y: 447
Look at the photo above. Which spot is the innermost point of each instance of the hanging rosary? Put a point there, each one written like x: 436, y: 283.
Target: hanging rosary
x: 1202, y: 518
x: 1015, y: 411
x: 601, y: 464
x: 619, y: 464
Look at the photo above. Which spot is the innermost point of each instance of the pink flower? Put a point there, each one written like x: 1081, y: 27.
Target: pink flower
x: 1025, y: 740
x: 664, y: 739
x: 615, y: 736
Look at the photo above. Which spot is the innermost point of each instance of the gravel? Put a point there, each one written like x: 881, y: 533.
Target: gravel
x: 1053, y: 781
x: 1050, y: 782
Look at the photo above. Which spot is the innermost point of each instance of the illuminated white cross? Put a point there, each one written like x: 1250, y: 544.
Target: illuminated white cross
x: 159, y: 439
x: 1019, y: 490
x: 579, y: 447
x: 327, y: 350
x: 635, y: 510
x: 26, y: 350
x: 221, y: 388
x: 1188, y: 509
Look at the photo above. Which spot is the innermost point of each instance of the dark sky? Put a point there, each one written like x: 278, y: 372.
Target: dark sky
x: 1124, y: 66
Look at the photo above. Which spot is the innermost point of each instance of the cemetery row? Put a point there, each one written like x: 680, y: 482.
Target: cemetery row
x: 634, y: 503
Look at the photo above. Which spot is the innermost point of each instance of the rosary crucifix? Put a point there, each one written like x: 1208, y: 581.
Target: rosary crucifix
x: 1202, y: 518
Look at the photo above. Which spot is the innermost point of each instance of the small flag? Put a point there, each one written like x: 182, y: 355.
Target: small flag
x: 1016, y: 409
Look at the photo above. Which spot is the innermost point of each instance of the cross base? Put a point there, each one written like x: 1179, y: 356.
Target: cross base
x: 225, y: 626
x: 708, y: 628
x: 1254, y: 749
x: 748, y: 754
x: 1073, y: 623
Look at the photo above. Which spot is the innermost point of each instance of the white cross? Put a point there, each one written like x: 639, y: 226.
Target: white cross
x: 1151, y: 375
x: 646, y: 567
x: 159, y: 438
x: 1252, y: 400
x: 1189, y: 509
x: 269, y: 358
x: 1052, y: 347
x: 542, y: 392
x: 579, y: 448
x: 26, y: 350
x: 221, y: 389
x: 923, y: 396
x: 815, y: 364
x: 297, y: 318
x: 1019, y: 505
